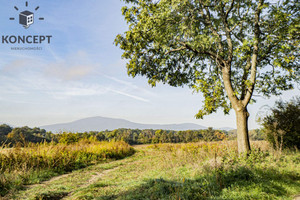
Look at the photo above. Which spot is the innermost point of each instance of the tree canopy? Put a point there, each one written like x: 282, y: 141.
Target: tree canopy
x: 25, y: 135
x: 186, y: 42
x: 5, y: 129
x: 226, y: 49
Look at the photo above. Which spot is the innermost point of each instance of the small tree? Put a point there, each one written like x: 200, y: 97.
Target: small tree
x: 225, y: 49
x: 68, y: 138
x: 209, y: 134
x: 5, y: 129
x: 282, y: 126
x: 20, y: 135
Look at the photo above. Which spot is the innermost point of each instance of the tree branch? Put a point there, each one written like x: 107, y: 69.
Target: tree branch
x: 229, y: 10
x: 227, y: 30
x: 206, y: 52
x: 209, y: 23
x: 244, y: 78
x: 255, y: 53
x: 174, y: 50
x: 226, y: 74
x: 268, y: 51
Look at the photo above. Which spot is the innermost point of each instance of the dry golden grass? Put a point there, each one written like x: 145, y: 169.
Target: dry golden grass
x: 27, y: 165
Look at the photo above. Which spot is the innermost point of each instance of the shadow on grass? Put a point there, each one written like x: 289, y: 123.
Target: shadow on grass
x: 51, y: 196
x: 241, y: 183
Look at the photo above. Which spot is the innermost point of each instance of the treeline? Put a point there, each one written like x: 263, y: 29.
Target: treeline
x: 150, y: 136
x: 23, y: 135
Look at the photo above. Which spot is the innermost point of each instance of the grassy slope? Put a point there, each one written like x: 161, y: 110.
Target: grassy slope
x: 156, y: 173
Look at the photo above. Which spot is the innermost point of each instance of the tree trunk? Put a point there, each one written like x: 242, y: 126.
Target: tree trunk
x: 242, y: 116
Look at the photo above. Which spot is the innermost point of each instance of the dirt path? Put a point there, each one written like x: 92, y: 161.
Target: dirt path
x: 92, y: 180
x: 68, y: 185
x: 45, y: 183
x: 97, y: 176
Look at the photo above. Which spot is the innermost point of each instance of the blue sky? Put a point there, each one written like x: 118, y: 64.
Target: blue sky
x: 81, y: 73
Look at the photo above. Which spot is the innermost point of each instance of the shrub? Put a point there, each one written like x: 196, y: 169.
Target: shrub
x: 282, y: 126
x: 5, y: 129
x: 68, y: 138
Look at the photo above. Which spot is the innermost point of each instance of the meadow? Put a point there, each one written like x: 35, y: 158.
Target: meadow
x: 202, y: 170
x: 34, y: 163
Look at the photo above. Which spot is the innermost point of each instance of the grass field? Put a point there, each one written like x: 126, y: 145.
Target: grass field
x: 39, y: 162
x: 180, y: 171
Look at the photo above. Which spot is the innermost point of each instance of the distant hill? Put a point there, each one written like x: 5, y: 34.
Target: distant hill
x: 226, y: 128
x: 104, y: 123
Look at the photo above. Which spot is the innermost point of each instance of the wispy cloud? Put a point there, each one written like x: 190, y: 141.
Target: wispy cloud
x: 68, y: 72
x: 54, y: 54
x: 16, y: 65
x: 73, y: 77
x: 74, y: 67
x: 130, y: 85
x: 74, y: 90
x: 130, y: 95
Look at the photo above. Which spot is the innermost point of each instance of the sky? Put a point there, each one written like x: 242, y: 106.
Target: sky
x: 81, y: 73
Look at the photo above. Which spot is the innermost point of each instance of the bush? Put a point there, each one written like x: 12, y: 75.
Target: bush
x: 282, y: 126
x: 5, y: 129
x: 68, y: 138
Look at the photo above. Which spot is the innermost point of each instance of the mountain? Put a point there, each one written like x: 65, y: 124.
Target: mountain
x: 226, y: 128
x: 104, y: 123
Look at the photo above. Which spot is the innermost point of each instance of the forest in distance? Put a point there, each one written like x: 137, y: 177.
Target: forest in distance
x: 22, y: 135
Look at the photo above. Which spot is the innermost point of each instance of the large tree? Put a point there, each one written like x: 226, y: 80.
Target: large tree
x: 225, y: 49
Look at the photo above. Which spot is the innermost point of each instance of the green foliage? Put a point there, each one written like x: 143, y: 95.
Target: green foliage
x: 5, y: 129
x: 68, y: 138
x: 213, y: 135
x: 199, y: 43
x: 22, y: 136
x: 149, y: 136
x: 256, y: 134
x: 25, y: 135
x: 282, y: 126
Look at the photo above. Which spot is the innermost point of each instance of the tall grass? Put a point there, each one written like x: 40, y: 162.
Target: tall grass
x: 203, y: 151
x: 217, y: 171
x: 36, y: 162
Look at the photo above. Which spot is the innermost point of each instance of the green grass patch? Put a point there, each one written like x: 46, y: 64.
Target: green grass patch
x: 185, y: 172
x: 39, y: 162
